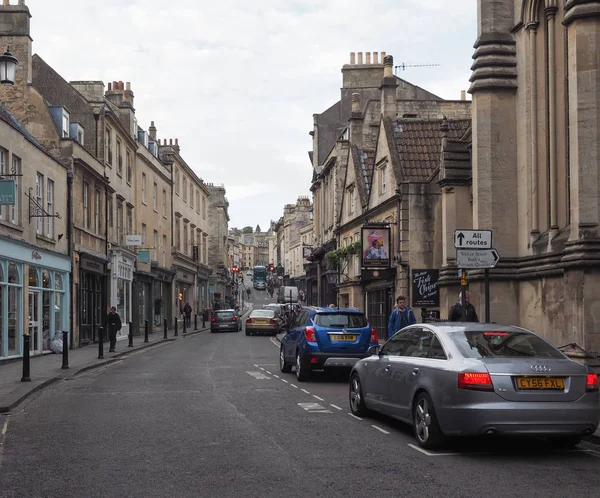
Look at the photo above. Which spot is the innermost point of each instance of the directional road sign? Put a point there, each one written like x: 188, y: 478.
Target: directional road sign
x: 472, y: 239
x: 477, y: 258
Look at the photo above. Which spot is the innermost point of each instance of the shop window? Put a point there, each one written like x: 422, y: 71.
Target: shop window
x: 13, y: 274
x: 46, y: 279
x: 33, y: 277
x: 58, y: 285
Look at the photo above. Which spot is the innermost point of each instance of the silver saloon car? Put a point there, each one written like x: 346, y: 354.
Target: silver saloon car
x: 470, y: 379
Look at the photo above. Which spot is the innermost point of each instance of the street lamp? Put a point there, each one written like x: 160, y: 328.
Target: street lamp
x: 332, y: 276
x: 8, y: 66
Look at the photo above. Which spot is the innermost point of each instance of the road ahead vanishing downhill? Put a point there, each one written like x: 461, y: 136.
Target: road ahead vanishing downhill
x: 212, y: 415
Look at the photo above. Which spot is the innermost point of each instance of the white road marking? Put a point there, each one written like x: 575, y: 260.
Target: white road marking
x: 294, y: 385
x: 314, y: 408
x: 425, y: 452
x: 354, y: 416
x: 268, y: 372
x: 262, y: 368
x: 5, y: 428
x: 593, y: 452
x: 283, y: 380
x: 380, y: 429
x: 320, y: 399
x: 256, y: 365
x: 305, y: 391
x: 275, y: 343
x: 336, y: 406
x: 258, y: 375
x: 276, y: 376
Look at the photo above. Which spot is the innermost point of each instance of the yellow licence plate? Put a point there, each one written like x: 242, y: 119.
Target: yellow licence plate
x: 261, y: 322
x: 343, y: 338
x: 540, y: 383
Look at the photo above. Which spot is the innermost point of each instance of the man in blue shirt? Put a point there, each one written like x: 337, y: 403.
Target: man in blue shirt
x: 401, y: 316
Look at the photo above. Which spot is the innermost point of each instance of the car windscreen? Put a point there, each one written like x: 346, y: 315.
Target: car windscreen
x: 503, y: 344
x: 276, y: 309
x: 348, y: 320
x: 224, y: 314
x: 262, y: 314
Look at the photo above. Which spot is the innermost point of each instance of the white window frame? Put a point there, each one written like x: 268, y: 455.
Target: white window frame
x: 155, y: 197
x: 144, y: 188
x: 155, y: 251
x: 164, y: 203
x: 383, y: 180
x: 65, y: 125
x: 86, y: 204
x: 39, y: 197
x: 97, y: 208
x: 49, y: 208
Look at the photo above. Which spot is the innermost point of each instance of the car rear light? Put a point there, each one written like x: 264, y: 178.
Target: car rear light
x: 234, y: 318
x: 213, y: 319
x: 314, y: 359
x: 310, y: 335
x: 249, y: 320
x: 591, y: 382
x: 273, y: 320
x: 476, y: 381
x: 374, y: 336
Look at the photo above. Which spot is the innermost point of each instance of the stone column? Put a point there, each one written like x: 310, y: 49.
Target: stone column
x: 550, y: 10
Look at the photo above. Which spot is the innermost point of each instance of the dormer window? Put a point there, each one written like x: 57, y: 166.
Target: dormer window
x: 76, y: 132
x: 65, y: 124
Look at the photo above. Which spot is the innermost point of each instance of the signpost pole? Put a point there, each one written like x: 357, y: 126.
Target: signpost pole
x: 487, y: 295
x: 463, y: 295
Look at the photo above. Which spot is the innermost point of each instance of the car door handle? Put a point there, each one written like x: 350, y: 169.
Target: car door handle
x: 415, y: 371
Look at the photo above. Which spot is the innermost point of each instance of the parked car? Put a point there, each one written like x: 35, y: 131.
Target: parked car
x: 225, y: 321
x: 277, y: 308
x: 321, y: 338
x: 463, y: 379
x: 261, y: 322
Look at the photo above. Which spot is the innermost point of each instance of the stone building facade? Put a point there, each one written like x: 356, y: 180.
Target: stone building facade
x: 218, y: 219
x: 535, y: 163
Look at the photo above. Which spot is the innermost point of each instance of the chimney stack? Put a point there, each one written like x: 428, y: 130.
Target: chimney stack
x: 152, y: 131
x: 375, y: 58
x: 356, y: 122
x: 5, y: 3
x: 109, y: 84
x: 388, y: 87
x: 352, y: 58
x: 382, y: 56
x: 170, y: 141
x: 356, y: 102
x: 463, y: 95
x: 368, y: 55
x: 388, y: 66
x: 360, y: 59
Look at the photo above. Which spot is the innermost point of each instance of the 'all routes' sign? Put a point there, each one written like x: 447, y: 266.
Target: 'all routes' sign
x: 472, y: 239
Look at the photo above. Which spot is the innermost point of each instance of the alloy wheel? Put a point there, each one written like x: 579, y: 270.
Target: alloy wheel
x: 422, y: 420
x: 355, y: 395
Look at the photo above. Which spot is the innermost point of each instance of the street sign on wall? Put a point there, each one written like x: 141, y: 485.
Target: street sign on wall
x: 473, y: 239
x: 133, y: 240
x: 477, y: 258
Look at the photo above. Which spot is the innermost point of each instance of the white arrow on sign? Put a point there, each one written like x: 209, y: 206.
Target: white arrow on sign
x: 473, y: 239
x: 477, y: 258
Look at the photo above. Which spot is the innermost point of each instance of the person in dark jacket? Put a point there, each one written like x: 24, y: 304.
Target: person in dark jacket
x: 458, y: 314
x: 113, y: 325
x: 187, y: 312
x: 401, y: 316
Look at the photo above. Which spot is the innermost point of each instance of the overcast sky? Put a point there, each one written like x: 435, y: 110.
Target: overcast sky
x: 238, y: 82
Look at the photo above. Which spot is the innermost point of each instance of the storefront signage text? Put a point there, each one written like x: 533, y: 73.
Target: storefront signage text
x: 36, y: 255
x: 7, y: 192
x: 425, y: 291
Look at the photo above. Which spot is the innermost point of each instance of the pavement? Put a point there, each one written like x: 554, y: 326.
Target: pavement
x: 47, y: 369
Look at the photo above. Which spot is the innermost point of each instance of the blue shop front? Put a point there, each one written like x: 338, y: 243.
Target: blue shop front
x: 34, y: 297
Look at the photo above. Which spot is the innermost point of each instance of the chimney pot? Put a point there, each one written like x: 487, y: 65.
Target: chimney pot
x: 170, y: 141
x: 375, y: 57
x: 463, y: 95
x: 360, y: 59
x: 388, y: 64
x: 109, y: 85
x: 382, y: 56
x: 352, y: 58
x: 368, y: 56
x: 128, y: 86
x: 152, y: 123
x: 121, y: 86
x: 5, y: 2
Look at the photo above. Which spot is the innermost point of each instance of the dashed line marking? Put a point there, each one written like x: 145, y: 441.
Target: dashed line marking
x: 335, y: 406
x: 380, y: 429
x: 283, y: 380
x: 320, y: 399
x: 5, y: 428
x: 425, y: 452
x: 276, y: 376
x: 294, y: 385
x: 354, y: 416
x: 305, y: 391
x: 268, y: 372
x: 262, y: 368
x: 256, y: 365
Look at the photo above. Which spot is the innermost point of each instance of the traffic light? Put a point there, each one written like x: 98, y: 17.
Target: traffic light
x: 234, y: 269
x: 271, y: 268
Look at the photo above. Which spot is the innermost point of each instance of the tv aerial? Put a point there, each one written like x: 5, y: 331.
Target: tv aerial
x: 403, y: 66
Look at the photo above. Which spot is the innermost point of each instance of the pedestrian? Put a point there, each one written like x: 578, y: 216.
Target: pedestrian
x: 113, y: 325
x: 231, y: 302
x: 459, y: 314
x: 187, y: 310
x: 248, y: 292
x: 401, y: 316
x: 216, y: 305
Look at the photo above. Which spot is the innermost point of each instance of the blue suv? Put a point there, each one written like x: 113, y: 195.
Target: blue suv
x: 320, y: 338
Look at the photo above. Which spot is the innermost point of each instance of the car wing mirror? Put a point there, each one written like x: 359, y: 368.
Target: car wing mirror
x: 374, y: 350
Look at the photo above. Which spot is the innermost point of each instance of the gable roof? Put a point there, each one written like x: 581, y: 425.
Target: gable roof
x: 364, y: 163
x: 418, y: 145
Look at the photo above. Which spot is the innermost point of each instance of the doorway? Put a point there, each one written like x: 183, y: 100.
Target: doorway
x: 35, y: 321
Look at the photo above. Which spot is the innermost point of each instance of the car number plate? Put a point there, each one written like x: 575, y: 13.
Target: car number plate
x: 343, y: 338
x: 528, y: 383
x: 224, y: 325
x: 260, y: 322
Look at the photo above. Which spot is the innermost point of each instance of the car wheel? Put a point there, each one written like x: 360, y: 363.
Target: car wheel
x: 565, y: 441
x: 283, y: 365
x: 427, y: 429
x: 302, y: 374
x: 357, y: 400
x: 247, y: 333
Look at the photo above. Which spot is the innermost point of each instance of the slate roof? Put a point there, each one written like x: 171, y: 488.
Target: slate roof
x: 13, y: 122
x: 418, y: 144
x: 364, y: 163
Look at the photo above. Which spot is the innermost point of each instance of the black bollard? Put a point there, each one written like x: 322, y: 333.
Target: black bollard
x: 130, y: 345
x: 26, y: 366
x: 146, y: 331
x: 65, y: 364
x: 100, y: 343
x: 204, y: 313
x: 195, y: 321
x: 176, y: 334
x: 166, y: 327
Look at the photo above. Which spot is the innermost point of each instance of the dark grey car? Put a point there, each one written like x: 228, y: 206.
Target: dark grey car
x: 225, y: 321
x: 457, y: 379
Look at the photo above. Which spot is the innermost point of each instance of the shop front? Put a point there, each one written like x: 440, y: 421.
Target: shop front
x: 123, y: 266
x: 202, y: 292
x: 185, y: 287
x: 161, y: 296
x: 379, y: 297
x: 142, y: 301
x: 34, y: 298
x: 92, y: 297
